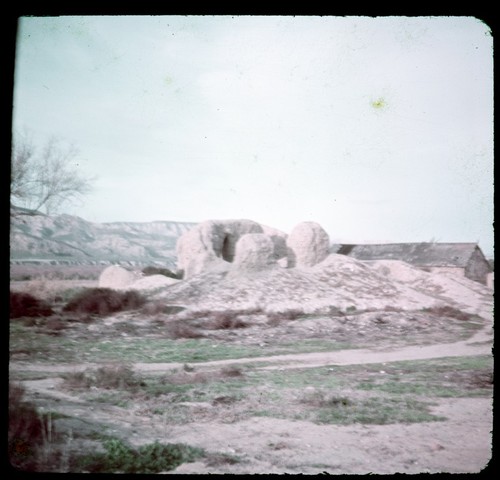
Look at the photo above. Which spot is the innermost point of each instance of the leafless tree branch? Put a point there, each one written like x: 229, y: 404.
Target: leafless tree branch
x: 46, y: 178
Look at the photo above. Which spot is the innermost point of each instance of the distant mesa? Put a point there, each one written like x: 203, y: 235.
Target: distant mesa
x: 245, y: 245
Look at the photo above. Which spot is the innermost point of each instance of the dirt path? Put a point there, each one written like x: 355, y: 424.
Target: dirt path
x: 478, y: 344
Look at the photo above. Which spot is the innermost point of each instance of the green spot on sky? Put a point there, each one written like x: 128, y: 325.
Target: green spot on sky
x: 379, y: 103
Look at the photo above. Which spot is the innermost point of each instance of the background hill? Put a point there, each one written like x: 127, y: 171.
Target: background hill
x: 67, y: 239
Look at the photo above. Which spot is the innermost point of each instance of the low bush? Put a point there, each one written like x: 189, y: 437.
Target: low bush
x: 24, y: 304
x: 108, y: 377
x: 179, y: 329
x: 27, y: 430
x: 448, y: 312
x: 319, y: 398
x: 152, y: 458
x: 104, y: 301
x: 224, y: 320
x: 231, y: 371
x: 160, y: 271
x: 275, y: 318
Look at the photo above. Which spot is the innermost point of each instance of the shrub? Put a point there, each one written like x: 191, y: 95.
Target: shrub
x: 275, y: 318
x: 26, y: 305
x: 232, y: 371
x: 160, y: 271
x: 27, y: 430
x: 318, y: 398
x: 152, y: 458
x: 449, y: 312
x: 116, y: 376
x: 179, y: 329
x: 104, y: 301
x: 225, y: 320
x: 109, y: 377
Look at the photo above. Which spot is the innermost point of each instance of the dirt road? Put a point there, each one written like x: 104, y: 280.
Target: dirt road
x: 478, y: 344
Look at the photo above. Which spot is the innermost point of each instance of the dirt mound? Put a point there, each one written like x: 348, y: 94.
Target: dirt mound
x: 338, y: 282
x: 115, y: 276
x: 467, y: 294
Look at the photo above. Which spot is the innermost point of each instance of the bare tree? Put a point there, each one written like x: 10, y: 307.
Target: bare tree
x: 46, y: 178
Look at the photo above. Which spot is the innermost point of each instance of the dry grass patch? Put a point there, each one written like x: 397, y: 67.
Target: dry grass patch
x: 120, y: 377
x: 190, y: 376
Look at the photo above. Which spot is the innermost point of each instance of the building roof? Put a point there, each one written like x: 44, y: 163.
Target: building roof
x: 418, y: 254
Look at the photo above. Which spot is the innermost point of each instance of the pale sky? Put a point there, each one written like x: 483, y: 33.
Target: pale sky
x: 378, y: 128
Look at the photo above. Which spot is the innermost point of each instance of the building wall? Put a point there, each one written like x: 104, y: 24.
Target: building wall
x: 477, y: 267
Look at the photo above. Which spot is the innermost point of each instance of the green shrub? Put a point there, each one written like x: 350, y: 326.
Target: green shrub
x: 152, y: 458
x: 26, y: 305
x: 104, y: 301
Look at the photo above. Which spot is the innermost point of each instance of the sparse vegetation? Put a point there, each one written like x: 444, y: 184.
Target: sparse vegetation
x: 377, y: 411
x: 275, y: 318
x: 104, y: 301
